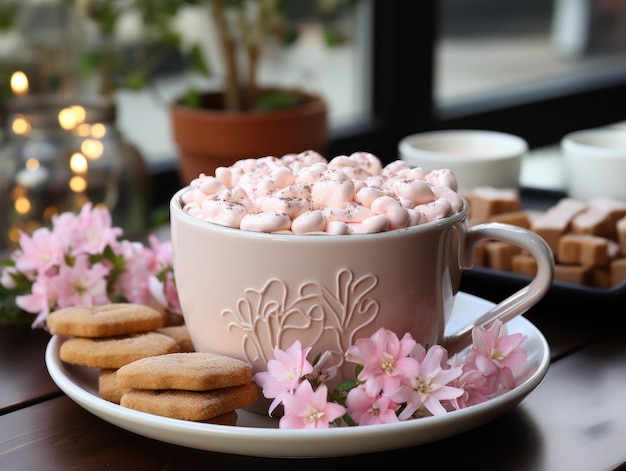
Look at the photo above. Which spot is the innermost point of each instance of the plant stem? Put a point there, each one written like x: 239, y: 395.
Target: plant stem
x: 108, y: 84
x: 232, y: 100
x: 250, y: 50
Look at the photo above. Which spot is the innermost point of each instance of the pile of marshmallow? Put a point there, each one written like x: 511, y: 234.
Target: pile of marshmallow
x: 304, y: 193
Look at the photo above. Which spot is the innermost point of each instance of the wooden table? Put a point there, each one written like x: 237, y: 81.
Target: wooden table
x: 574, y: 420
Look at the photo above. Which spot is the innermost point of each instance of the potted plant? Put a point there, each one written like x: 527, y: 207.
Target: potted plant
x: 243, y: 118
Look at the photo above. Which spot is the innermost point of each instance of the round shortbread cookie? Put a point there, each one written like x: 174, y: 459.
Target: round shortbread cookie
x: 104, y: 321
x: 191, y: 405
x: 192, y: 371
x: 115, y: 352
x: 108, y: 388
x: 180, y: 333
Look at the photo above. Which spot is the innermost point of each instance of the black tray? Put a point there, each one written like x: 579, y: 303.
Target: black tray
x: 569, y: 298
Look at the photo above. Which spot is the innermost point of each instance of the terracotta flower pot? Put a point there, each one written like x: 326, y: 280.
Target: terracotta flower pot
x: 210, y: 138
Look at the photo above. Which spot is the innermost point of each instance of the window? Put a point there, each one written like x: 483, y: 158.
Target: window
x: 412, y: 50
x: 535, y: 68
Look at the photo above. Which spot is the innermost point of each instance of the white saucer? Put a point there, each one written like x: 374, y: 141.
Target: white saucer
x: 258, y: 435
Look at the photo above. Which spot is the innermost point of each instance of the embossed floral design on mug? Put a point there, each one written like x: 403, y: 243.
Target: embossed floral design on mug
x: 244, y: 292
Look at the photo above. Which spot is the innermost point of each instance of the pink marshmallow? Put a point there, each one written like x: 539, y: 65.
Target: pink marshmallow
x: 311, y: 221
x: 333, y: 189
x: 438, y: 209
x: 390, y: 207
x: 293, y: 207
x: 265, y: 222
x: 443, y: 177
x: 416, y: 191
x: 303, y: 193
x: 371, y: 225
x: 353, y: 212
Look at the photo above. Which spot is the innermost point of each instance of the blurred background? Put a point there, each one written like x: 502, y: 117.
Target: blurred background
x: 386, y: 69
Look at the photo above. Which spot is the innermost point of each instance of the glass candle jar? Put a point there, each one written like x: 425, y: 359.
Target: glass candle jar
x: 58, y: 155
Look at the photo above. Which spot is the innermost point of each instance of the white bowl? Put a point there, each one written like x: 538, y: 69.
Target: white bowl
x: 476, y: 157
x: 595, y: 163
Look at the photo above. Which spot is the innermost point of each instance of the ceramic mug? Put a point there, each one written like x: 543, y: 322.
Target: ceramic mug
x: 477, y: 157
x: 243, y: 292
x: 595, y: 163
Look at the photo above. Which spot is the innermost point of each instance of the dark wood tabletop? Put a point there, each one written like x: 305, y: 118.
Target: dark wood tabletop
x: 574, y: 420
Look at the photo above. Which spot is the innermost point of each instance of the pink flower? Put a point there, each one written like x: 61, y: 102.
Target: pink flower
x: 165, y: 293
x: 494, y: 353
x: 385, y: 360
x: 323, y: 370
x: 284, y: 373
x: 92, y: 229
x: 39, y: 300
x: 80, y: 261
x: 367, y: 410
x: 399, y: 380
x: 39, y: 252
x: 161, y: 284
x: 80, y: 284
x: 429, y: 387
x: 306, y: 408
x: 476, y: 387
x: 161, y: 253
x: 133, y: 284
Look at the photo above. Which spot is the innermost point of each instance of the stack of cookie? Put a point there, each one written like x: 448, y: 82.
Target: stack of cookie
x: 200, y: 387
x: 150, y: 367
x: 111, y: 336
x: 180, y: 334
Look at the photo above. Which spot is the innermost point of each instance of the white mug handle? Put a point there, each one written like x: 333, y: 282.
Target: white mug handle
x: 520, y: 301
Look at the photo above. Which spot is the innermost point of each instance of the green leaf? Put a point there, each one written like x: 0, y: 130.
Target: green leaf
x: 7, y: 16
x: 10, y: 314
x: 196, y: 60
x: 347, y: 418
x: 118, y: 263
x: 8, y: 262
x: 105, y: 14
x: 347, y: 385
x: 171, y: 39
x: 272, y: 101
x: 192, y: 99
x: 136, y: 80
x: 332, y: 38
x: 289, y: 37
x: 159, y: 216
x: 88, y: 63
